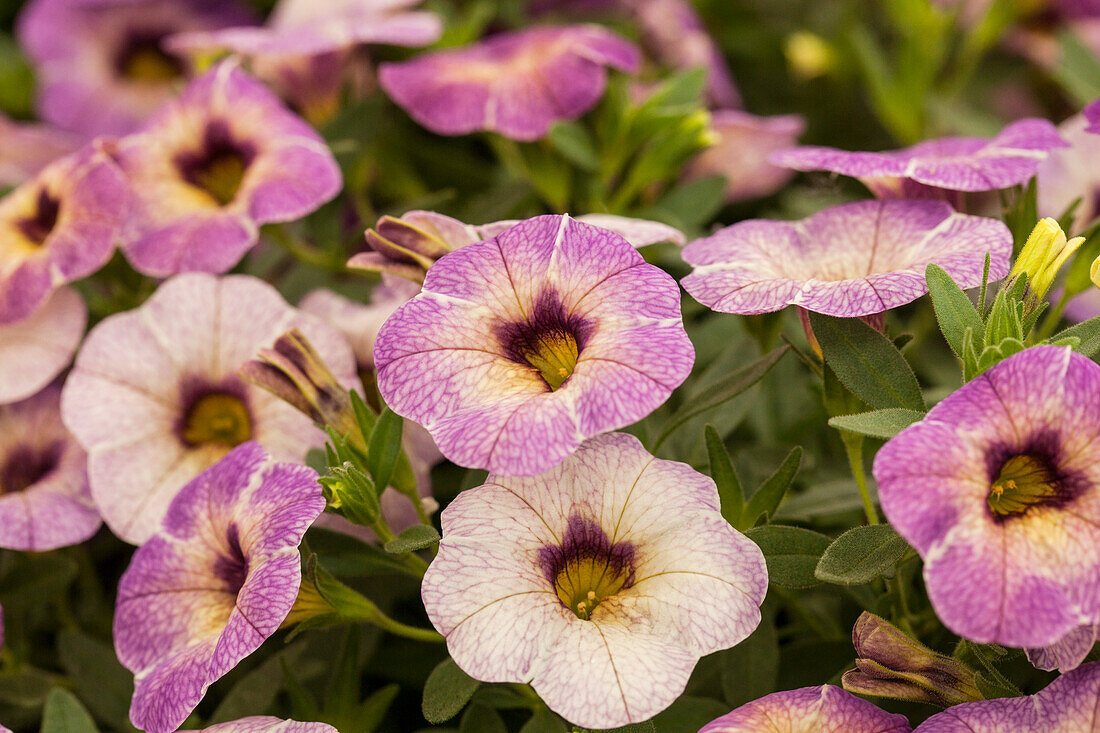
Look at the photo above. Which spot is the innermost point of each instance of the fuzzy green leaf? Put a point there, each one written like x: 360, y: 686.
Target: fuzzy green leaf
x: 954, y: 311
x: 414, y: 538
x: 721, y: 470
x: 764, y: 502
x: 792, y: 553
x: 877, y: 423
x: 860, y: 555
x: 446, y: 692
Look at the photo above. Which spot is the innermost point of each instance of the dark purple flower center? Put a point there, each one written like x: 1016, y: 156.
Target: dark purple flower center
x: 215, y: 415
x: 38, y: 226
x: 587, y: 567
x: 141, y: 59
x: 550, y: 341
x: 25, y: 466
x: 232, y: 567
x: 220, y: 164
x: 1028, y: 478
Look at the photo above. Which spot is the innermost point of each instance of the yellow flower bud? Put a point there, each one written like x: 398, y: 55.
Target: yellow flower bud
x: 1044, y: 253
x: 809, y: 55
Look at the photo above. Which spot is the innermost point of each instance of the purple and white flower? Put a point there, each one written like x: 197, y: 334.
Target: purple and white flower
x: 600, y: 583
x: 35, y: 350
x: 1066, y: 705
x: 998, y: 489
x: 211, y: 167
x: 58, y: 227
x: 44, y: 498
x: 516, y: 84
x: 825, y: 709
x: 851, y: 260
x: 1070, y: 174
x: 267, y: 724
x: 521, y: 346
x: 154, y: 396
x: 929, y: 168
x: 26, y: 148
x: 101, y: 66
x: 214, y: 582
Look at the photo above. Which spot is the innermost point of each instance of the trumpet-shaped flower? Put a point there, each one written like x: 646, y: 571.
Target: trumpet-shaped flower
x: 35, y: 350
x: 266, y: 724
x: 27, y: 148
x: 600, y: 582
x: 58, y: 227
x: 516, y: 84
x: 101, y: 66
x: 825, y: 709
x: 520, y: 347
x: 1066, y: 705
x: 951, y: 163
x: 998, y: 489
x: 215, y: 581
x: 44, y: 497
x: 213, y: 165
x: 850, y: 260
x: 155, y: 398
x: 741, y: 153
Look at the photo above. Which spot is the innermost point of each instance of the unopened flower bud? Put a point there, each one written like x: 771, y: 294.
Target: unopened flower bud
x: 809, y: 55
x: 1044, y: 253
x: 295, y: 373
x: 402, y: 247
x: 892, y: 664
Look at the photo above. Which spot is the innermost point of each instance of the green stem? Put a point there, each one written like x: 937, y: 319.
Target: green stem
x: 300, y: 250
x: 385, y: 534
x: 386, y: 623
x: 853, y: 446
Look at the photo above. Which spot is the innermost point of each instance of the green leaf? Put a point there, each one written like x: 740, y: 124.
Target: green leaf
x: 29, y: 580
x: 860, y: 555
x: 446, y: 692
x: 724, y: 475
x: 383, y: 447
x: 688, y: 714
x: 573, y: 141
x: 792, y: 553
x: 1089, y: 333
x: 764, y: 502
x: 544, y: 721
x: 98, y: 678
x: 414, y: 538
x: 27, y: 687
x: 867, y: 362
x: 645, y: 726
x: 750, y: 670
x: 65, y: 714
x: 257, y: 689
x: 482, y: 719
x: 374, y: 708
x: 723, y: 391
x: 347, y: 556
x: 877, y: 423
x: 954, y: 311
x: 690, y: 205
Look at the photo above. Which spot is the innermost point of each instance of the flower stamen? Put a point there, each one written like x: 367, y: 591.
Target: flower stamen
x: 1024, y: 481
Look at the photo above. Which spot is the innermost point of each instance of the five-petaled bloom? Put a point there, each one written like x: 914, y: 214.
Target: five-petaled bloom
x: 213, y: 165
x: 825, y: 709
x: 1066, y: 705
x: 58, y: 227
x: 998, y: 489
x: 851, y: 260
x: 101, y: 66
x: 155, y: 398
x: 44, y: 498
x: 934, y: 167
x: 214, y: 582
x: 520, y: 347
x: 516, y: 84
x: 600, y: 582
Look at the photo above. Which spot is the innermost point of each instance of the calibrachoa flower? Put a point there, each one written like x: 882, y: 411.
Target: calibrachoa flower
x: 44, y: 497
x: 35, y: 350
x: 520, y: 347
x: 1066, y: 705
x: 27, y: 148
x: 101, y: 67
x: 951, y: 163
x: 266, y: 724
x: 155, y: 398
x: 600, y: 582
x: 850, y: 260
x: 1071, y: 174
x: 997, y: 489
x: 217, y: 579
x: 1068, y: 652
x: 58, y: 227
x: 213, y: 165
x: 516, y: 84
x: 825, y: 709
x: 741, y: 153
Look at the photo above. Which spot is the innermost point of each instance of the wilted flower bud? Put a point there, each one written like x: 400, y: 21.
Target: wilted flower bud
x: 402, y: 247
x: 892, y: 664
x: 1044, y: 253
x: 295, y: 373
